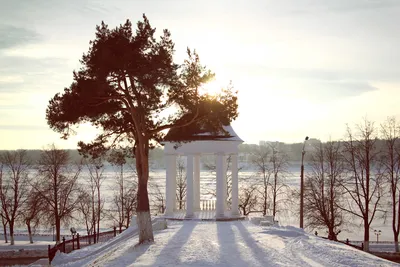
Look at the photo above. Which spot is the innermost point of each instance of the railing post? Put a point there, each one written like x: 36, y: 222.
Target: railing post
x: 77, y: 241
x: 63, y: 245
x: 94, y: 237
x: 73, y: 243
x: 48, y: 252
x: 115, y: 231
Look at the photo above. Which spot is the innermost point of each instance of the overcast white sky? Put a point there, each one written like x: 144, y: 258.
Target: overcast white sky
x: 302, y: 67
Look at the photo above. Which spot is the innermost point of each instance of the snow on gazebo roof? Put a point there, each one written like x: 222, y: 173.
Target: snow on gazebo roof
x: 194, y: 133
x: 192, y: 140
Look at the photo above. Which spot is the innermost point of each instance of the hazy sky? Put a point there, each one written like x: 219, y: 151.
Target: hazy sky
x: 301, y: 67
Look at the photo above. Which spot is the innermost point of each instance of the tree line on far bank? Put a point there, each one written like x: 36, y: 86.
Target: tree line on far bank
x: 156, y: 155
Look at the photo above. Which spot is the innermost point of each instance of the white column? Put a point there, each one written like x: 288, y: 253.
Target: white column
x: 170, y: 186
x: 189, y: 187
x: 197, y: 182
x: 225, y: 185
x: 220, y: 187
x: 235, y: 185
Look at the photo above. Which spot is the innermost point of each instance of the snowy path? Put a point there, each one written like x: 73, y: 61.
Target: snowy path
x: 238, y: 243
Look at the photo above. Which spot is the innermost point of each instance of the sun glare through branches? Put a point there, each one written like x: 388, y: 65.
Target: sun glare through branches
x: 212, y: 88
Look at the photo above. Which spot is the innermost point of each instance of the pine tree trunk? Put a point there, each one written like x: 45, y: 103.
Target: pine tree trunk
x: 143, y: 215
x: 143, y: 207
x: 145, y: 228
x: 396, y: 243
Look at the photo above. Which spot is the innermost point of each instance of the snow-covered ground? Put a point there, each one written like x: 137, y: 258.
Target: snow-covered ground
x: 40, y: 242
x: 25, y: 244
x: 238, y: 243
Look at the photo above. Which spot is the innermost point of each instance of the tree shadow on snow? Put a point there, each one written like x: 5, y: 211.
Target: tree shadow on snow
x: 283, y: 233
x: 260, y: 255
x: 131, y: 255
x: 230, y: 254
x: 174, y: 246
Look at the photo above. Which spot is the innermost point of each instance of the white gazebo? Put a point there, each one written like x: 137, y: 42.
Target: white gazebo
x: 192, y: 144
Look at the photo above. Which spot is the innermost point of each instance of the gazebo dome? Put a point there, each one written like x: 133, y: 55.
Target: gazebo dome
x: 194, y: 133
x: 195, y: 140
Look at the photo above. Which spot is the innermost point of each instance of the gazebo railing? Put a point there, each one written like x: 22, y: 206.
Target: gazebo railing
x: 208, y: 204
x: 205, y: 205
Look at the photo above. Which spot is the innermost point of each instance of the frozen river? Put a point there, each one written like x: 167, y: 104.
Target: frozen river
x: 207, y: 182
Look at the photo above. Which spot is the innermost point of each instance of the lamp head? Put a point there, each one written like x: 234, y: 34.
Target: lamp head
x: 306, y: 138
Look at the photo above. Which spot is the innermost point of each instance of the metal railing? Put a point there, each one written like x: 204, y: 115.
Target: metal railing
x: 78, y: 242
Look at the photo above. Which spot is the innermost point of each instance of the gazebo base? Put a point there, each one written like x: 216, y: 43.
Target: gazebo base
x: 204, y: 215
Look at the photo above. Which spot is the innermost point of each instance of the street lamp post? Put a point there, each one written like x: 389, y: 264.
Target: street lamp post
x: 377, y: 233
x: 303, y: 152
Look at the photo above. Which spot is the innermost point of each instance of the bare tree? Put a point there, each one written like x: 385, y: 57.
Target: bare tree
x: 390, y: 131
x: 364, y: 183
x: 248, y: 199
x: 324, y: 192
x: 118, y: 159
x: 130, y: 201
x: 181, y: 183
x: 260, y: 157
x: 125, y: 192
x: 279, y: 167
x: 32, y: 212
x: 57, y: 186
x: 13, y: 186
x: 84, y: 208
x: 95, y: 167
x: 157, y: 198
x: 4, y: 223
x: 123, y: 216
x: 3, y: 219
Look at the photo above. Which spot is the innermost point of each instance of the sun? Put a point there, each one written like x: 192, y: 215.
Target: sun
x: 212, y: 88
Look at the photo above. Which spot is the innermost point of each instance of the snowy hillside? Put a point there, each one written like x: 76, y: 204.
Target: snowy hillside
x: 238, y: 243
